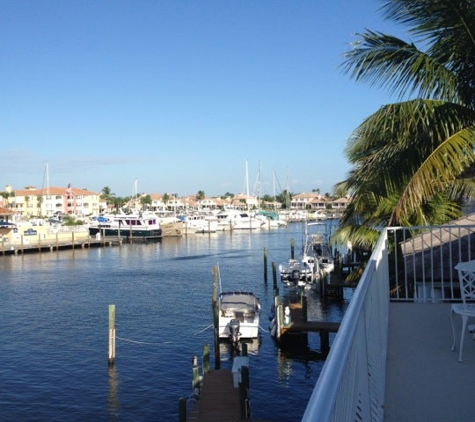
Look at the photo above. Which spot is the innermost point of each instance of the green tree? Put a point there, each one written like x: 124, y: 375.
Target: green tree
x: 284, y: 198
x: 146, y: 201
x: 107, y: 195
x: 200, y: 195
x: 412, y: 159
x: 165, y: 199
x: 227, y: 195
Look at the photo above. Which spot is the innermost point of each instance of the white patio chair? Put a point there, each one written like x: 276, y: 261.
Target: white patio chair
x: 466, y: 273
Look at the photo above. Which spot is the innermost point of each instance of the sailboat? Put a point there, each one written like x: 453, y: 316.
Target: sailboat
x: 239, y: 220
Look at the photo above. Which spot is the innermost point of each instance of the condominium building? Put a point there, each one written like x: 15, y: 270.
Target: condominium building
x: 51, y: 201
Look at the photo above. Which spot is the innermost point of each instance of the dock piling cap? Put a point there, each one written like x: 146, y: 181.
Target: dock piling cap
x: 287, y: 311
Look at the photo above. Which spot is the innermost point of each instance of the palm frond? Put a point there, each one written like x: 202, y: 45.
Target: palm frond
x: 393, y: 64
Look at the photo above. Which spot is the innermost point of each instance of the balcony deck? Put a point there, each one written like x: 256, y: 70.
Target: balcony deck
x: 424, y: 380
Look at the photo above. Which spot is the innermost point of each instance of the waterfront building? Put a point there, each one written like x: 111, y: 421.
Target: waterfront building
x: 52, y: 201
x: 303, y: 201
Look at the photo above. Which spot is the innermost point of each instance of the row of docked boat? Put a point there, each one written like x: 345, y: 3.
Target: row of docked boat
x: 315, y: 263
x: 148, y: 224
x: 230, y: 220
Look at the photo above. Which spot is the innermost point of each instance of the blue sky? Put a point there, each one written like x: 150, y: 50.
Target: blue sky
x: 179, y: 95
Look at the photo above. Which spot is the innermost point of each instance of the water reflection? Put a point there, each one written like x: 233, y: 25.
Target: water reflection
x: 113, y: 396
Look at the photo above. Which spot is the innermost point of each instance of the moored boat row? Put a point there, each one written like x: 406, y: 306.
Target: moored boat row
x: 315, y: 263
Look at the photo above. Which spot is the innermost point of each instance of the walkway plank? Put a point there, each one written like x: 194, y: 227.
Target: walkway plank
x: 219, y: 398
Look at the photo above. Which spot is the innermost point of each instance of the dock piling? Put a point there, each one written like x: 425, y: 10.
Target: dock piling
x: 265, y: 265
x: 111, y: 334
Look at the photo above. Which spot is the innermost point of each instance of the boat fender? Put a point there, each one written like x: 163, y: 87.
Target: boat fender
x: 287, y: 315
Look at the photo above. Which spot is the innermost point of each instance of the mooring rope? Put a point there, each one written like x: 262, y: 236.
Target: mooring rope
x: 263, y: 329
x: 204, y: 329
x: 140, y: 342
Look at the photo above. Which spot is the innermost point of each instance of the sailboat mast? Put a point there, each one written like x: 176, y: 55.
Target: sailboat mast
x: 247, y: 186
x: 47, y: 179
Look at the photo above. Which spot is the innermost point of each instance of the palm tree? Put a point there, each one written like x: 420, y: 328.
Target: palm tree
x: 412, y: 159
x: 107, y: 195
x: 146, y: 201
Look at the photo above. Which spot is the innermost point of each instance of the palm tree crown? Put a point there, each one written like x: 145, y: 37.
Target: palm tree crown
x: 411, y: 159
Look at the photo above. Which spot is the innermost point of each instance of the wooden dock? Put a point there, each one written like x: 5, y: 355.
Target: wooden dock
x: 219, y: 399
x: 300, y: 324
x: 40, y: 246
x: 296, y: 323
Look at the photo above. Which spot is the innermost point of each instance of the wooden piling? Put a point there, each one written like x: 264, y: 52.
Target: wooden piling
x: 111, y: 334
x: 244, y: 393
x: 205, y: 359
x: 217, y: 354
x: 292, y: 248
x: 274, y: 274
x: 182, y: 409
x: 265, y: 265
x: 215, y: 307
x: 196, y: 373
x: 304, y: 308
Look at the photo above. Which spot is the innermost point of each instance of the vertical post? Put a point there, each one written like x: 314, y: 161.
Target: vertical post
x: 111, y: 334
x: 182, y: 409
x: 244, y: 392
x: 292, y: 247
x: 217, y: 355
x: 57, y: 242
x: 39, y: 243
x: 244, y: 349
x: 215, y: 284
x: 274, y: 274
x: 215, y: 306
x: 72, y: 239
x: 304, y: 308
x: 265, y: 265
x: 324, y: 342
x: 196, y: 373
x: 205, y: 359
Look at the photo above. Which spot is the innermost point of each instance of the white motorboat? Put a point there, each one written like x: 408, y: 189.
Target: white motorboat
x: 239, y: 314
x: 141, y: 225
x: 196, y: 223
x: 237, y: 220
x: 319, y: 215
x: 318, y: 244
x: 297, y: 272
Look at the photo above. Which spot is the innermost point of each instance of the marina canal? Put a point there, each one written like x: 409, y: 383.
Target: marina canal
x: 54, y: 328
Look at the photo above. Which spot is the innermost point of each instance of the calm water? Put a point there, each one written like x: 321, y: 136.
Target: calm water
x: 54, y: 328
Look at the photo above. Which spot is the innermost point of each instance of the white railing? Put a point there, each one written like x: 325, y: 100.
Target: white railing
x: 351, y: 384
x: 411, y: 264
x: 422, y: 270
